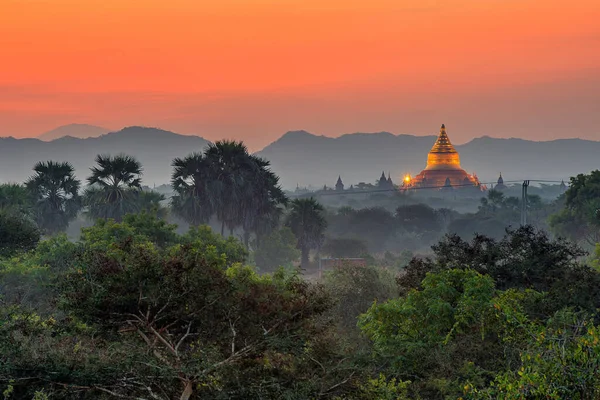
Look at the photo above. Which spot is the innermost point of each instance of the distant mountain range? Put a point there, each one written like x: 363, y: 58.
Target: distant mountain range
x: 155, y: 148
x: 302, y: 158
x: 80, y: 131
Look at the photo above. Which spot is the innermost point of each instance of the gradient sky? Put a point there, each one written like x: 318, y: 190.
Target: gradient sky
x: 253, y: 69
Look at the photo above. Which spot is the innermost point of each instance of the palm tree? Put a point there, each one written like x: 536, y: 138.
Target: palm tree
x: 55, y: 192
x: 115, y: 185
x: 231, y: 170
x: 261, y: 205
x: 229, y: 182
x: 308, y: 224
x: 191, y: 181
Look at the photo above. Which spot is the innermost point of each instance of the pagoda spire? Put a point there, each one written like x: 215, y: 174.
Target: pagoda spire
x: 339, y: 185
x: 443, y: 155
x: 442, y: 144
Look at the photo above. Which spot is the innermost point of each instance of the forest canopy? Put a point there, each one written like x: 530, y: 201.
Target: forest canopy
x: 137, y: 306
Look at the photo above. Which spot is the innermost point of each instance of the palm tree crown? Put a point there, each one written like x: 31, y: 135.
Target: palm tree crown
x: 120, y: 171
x: 231, y: 169
x: 191, y: 181
x: 115, y: 185
x: 55, y: 191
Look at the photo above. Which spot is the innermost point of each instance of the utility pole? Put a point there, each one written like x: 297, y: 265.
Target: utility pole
x: 524, y: 203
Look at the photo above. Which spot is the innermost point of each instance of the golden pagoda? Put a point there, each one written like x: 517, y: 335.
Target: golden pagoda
x: 443, y: 167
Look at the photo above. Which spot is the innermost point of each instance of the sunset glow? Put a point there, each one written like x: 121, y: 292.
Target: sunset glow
x: 253, y: 69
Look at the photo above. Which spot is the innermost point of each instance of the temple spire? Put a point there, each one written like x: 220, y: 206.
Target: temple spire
x: 339, y: 185
x: 443, y: 155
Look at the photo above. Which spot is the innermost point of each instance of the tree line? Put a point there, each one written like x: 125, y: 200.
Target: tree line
x: 133, y: 309
x: 225, y: 182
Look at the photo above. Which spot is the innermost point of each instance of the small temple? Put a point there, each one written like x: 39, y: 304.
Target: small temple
x: 443, y: 168
x: 500, y: 184
x: 339, y: 186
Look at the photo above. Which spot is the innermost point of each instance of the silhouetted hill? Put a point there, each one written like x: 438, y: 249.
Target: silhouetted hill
x: 81, y: 131
x: 302, y: 158
x: 155, y: 148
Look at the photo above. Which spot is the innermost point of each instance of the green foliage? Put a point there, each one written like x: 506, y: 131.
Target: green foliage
x: 17, y: 233
x: 450, y: 302
x: 423, y: 333
x: 276, y: 250
x: 456, y: 330
x: 59, y: 358
x: 596, y: 258
x: 383, y: 389
x: 570, y: 224
x: 156, y: 229
x: 208, y: 321
x: 28, y: 278
x: 354, y: 289
x: 55, y: 191
x: 22, y: 281
x: 142, y: 313
x: 203, y: 239
x: 561, y: 361
x: 524, y: 258
x: 134, y: 310
x: 15, y: 198
x: 580, y: 220
x: 583, y: 195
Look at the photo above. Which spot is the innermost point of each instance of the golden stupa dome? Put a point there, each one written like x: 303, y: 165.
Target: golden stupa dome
x: 443, y: 155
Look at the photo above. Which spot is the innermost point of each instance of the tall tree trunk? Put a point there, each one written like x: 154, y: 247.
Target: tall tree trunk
x: 304, y: 259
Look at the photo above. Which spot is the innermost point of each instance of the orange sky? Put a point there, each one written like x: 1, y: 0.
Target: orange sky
x: 253, y: 69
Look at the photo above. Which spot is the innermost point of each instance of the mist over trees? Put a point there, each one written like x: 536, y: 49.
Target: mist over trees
x: 212, y: 289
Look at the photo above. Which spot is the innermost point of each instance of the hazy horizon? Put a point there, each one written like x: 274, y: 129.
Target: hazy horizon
x: 83, y: 126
